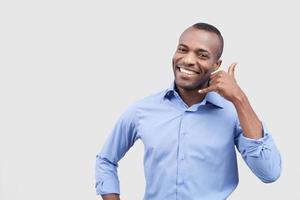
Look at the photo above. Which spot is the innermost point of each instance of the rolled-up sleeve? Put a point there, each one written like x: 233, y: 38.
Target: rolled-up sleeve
x: 119, y: 141
x: 261, y: 155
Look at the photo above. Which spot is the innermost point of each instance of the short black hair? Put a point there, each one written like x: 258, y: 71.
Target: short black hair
x: 211, y: 28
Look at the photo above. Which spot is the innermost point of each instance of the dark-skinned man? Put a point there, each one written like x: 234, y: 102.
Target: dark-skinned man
x: 191, y: 129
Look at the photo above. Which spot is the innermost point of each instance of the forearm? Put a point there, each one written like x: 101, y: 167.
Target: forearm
x: 106, y: 175
x: 250, y: 123
x: 111, y: 197
x: 257, y: 146
x: 261, y: 155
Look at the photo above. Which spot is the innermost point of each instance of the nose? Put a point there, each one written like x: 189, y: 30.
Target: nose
x: 189, y: 59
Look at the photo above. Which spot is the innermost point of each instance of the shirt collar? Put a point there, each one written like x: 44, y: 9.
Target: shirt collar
x: 211, y: 97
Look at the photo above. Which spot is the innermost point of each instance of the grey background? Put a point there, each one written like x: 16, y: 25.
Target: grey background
x: 70, y: 68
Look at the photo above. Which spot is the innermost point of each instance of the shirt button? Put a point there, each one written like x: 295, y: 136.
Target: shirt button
x: 182, y: 158
x: 184, y: 133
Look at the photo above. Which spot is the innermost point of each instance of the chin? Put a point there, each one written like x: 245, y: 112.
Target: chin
x: 187, y: 86
x: 191, y: 85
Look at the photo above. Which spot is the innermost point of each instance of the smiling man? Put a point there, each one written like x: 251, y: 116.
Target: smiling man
x: 191, y: 129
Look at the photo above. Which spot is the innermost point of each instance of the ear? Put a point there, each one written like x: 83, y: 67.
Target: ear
x: 217, y: 65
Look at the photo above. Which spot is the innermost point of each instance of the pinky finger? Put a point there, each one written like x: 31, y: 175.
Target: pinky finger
x: 208, y: 89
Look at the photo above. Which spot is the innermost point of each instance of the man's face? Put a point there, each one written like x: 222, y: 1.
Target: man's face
x: 195, y: 56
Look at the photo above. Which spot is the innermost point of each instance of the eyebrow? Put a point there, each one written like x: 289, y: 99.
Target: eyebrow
x: 197, y: 50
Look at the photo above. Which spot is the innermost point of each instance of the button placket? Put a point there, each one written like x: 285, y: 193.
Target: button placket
x: 181, y: 152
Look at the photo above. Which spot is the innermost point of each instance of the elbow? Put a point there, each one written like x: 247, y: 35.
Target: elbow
x: 269, y: 172
x: 271, y: 176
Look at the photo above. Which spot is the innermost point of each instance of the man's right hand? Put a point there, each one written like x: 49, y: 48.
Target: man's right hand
x: 111, y: 197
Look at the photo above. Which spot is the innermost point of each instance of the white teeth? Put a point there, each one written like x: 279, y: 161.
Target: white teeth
x: 187, y: 71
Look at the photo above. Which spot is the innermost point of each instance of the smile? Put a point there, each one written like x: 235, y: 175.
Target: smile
x: 187, y: 72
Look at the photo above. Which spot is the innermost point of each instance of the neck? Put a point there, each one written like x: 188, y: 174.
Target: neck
x: 190, y: 97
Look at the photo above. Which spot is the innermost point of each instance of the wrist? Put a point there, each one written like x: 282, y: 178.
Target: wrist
x: 239, y: 99
x: 112, y: 196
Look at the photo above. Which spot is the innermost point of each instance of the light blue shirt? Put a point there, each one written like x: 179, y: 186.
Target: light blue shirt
x: 189, y: 152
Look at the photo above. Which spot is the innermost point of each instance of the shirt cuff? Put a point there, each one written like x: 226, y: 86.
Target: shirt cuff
x: 109, y: 186
x: 255, y: 147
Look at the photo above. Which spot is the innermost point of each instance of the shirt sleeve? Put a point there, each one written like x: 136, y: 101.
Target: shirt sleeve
x: 261, y: 155
x: 119, y: 141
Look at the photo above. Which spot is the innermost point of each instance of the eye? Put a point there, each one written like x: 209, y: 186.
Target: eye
x: 181, y: 49
x: 203, y: 56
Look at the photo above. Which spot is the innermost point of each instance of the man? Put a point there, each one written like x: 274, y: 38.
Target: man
x: 191, y: 129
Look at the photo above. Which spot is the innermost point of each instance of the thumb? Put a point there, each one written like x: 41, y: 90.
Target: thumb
x: 231, y: 69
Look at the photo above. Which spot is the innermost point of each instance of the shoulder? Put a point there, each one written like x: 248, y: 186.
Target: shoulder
x: 148, y: 102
